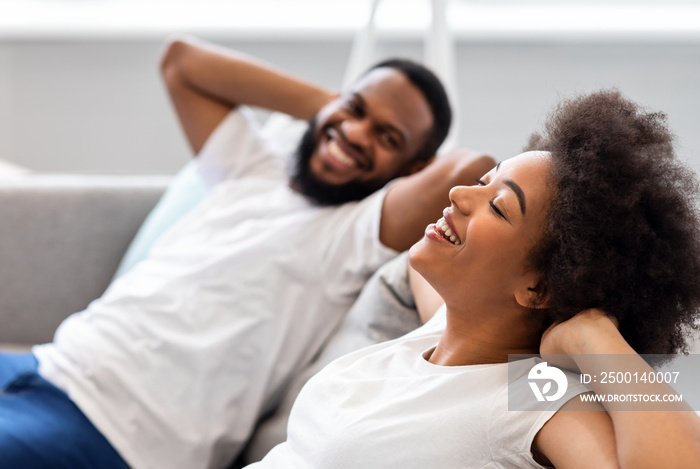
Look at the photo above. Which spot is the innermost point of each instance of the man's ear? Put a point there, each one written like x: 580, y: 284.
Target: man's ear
x: 415, y: 166
x: 532, y: 293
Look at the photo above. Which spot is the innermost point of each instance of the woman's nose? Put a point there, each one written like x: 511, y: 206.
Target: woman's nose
x: 463, y: 198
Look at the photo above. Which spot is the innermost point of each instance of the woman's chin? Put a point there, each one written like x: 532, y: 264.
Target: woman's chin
x: 414, y: 251
x: 418, y: 255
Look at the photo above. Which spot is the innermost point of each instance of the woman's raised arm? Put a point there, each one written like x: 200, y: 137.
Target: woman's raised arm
x: 643, y: 438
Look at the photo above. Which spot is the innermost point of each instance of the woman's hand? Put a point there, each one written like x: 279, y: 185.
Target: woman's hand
x: 589, y: 332
x: 590, y: 343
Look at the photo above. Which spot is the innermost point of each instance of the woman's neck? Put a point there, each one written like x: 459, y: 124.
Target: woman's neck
x: 473, y: 339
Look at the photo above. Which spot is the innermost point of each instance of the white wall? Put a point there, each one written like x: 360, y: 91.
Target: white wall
x: 99, y: 106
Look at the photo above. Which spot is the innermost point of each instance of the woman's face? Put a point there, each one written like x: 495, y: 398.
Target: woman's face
x: 478, y: 251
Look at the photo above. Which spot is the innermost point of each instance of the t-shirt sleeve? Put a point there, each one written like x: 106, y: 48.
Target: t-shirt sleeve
x: 511, y: 432
x: 237, y: 148
x: 354, y: 251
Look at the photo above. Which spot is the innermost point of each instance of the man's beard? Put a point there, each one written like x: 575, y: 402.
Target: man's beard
x: 321, y: 192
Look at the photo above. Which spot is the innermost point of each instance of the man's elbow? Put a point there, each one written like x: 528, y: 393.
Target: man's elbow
x: 173, y: 58
x: 470, y: 166
x: 482, y: 164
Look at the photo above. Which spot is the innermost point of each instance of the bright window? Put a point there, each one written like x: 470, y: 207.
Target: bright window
x: 341, y: 18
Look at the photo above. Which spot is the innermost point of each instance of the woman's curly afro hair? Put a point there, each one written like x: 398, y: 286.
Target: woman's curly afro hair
x: 622, y: 231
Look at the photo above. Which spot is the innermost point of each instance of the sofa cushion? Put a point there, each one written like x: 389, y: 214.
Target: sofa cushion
x: 185, y: 192
x: 63, y: 237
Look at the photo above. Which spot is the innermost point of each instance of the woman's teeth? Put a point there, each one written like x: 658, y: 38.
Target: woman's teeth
x: 444, y: 230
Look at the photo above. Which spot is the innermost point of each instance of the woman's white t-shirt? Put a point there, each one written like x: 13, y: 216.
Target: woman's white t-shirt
x: 386, y: 406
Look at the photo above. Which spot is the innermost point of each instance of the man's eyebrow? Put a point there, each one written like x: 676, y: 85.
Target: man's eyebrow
x: 518, y: 192
x: 358, y: 96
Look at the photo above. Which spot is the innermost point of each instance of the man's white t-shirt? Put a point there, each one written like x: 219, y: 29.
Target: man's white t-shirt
x: 180, y: 356
x: 387, y: 406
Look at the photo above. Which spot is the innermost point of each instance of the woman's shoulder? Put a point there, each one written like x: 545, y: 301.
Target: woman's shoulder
x: 532, y: 395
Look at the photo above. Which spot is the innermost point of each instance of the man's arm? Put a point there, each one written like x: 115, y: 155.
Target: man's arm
x: 419, y: 199
x: 206, y: 81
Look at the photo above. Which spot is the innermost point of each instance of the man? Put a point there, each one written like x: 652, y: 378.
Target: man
x: 173, y: 365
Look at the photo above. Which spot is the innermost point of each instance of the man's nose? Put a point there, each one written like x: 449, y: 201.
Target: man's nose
x: 357, y: 132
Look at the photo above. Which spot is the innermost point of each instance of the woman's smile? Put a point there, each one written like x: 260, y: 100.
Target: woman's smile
x: 445, y: 232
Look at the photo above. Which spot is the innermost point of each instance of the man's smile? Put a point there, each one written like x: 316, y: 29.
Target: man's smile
x: 339, y: 155
x: 342, y: 155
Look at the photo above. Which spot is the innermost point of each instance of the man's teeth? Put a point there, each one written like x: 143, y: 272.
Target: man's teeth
x: 446, y: 232
x: 336, y: 152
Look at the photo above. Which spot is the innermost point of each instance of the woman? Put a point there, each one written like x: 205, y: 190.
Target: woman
x: 548, y: 253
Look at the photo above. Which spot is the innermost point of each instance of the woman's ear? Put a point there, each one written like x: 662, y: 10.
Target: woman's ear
x: 532, y: 293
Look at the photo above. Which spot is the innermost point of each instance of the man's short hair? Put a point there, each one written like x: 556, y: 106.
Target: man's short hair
x: 434, y: 93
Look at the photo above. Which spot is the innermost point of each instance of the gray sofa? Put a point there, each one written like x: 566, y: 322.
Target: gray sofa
x: 62, y: 238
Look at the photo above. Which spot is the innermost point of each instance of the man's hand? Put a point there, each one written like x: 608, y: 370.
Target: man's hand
x: 206, y: 81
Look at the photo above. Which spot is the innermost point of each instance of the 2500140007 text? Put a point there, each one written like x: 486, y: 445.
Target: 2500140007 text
x: 627, y: 377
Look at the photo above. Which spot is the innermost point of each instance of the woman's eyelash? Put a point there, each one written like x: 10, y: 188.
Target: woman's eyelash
x: 497, y: 210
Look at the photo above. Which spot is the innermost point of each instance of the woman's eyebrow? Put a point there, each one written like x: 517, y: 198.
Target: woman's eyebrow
x: 518, y: 192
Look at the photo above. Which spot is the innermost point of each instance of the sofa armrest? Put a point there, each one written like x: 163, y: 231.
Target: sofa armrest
x: 61, y: 239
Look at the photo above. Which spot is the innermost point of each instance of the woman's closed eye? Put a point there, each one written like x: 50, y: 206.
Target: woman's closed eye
x: 494, y: 208
x: 497, y: 211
